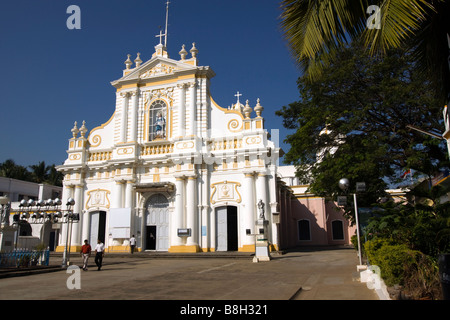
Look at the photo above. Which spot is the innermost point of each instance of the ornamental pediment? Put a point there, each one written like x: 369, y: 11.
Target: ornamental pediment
x: 156, y: 67
x: 158, y: 70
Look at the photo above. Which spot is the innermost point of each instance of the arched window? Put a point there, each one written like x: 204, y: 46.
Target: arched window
x: 157, y: 120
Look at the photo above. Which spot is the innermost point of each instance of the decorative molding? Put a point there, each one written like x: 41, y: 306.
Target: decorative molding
x: 233, y: 126
x: 158, y: 70
x: 98, y: 198
x: 225, y: 191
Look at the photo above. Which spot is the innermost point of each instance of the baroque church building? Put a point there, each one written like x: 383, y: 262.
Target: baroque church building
x: 171, y: 166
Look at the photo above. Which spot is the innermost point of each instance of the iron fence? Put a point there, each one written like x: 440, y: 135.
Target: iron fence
x: 24, y: 258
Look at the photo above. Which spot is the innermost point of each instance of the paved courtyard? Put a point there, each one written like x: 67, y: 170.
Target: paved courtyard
x: 301, y: 275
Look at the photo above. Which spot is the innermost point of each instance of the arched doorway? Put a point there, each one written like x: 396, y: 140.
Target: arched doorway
x: 226, y: 228
x: 157, y: 223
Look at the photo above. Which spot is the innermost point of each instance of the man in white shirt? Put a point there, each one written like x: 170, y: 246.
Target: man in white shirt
x: 100, y: 249
x: 132, y: 243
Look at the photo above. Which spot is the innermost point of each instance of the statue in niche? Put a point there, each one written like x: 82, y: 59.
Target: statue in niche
x: 160, y: 124
x: 261, y: 206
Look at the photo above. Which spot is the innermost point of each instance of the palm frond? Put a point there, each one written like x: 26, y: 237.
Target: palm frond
x: 316, y: 28
x: 399, y: 20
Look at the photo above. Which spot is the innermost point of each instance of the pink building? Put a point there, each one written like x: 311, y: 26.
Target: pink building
x: 308, y: 220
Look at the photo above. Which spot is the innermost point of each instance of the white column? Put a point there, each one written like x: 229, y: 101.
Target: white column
x: 124, y: 117
x: 179, y: 211
x: 181, y: 110
x: 77, y: 208
x: 86, y: 225
x: 133, y: 113
x: 192, y: 108
x: 129, y: 194
x: 67, y: 193
x: 117, y: 195
x: 261, y: 192
x: 191, y: 210
x: 249, y: 209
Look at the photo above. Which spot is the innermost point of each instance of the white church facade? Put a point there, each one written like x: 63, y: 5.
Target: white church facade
x: 171, y: 166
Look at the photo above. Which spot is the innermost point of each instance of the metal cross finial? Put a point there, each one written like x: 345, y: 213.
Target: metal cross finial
x: 238, y: 95
x: 160, y: 36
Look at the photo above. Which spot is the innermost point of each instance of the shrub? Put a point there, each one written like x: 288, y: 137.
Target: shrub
x: 391, y: 258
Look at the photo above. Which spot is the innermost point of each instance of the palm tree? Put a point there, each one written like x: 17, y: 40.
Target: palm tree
x: 39, y: 172
x: 10, y: 169
x: 316, y: 29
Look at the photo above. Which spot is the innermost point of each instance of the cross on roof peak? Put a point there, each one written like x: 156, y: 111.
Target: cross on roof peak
x: 238, y: 95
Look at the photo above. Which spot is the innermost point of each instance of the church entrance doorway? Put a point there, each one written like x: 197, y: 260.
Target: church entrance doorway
x: 98, y: 227
x: 151, y: 238
x: 157, y: 223
x: 227, y: 229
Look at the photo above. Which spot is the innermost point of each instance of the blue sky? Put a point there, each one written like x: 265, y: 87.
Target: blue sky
x: 52, y: 76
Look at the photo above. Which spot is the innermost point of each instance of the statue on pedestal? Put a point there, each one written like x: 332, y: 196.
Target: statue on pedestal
x: 261, y: 209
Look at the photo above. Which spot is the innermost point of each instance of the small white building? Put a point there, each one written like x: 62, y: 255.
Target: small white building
x: 30, y: 234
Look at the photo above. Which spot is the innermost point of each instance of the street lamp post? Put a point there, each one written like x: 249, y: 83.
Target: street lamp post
x: 69, y: 204
x: 344, y: 184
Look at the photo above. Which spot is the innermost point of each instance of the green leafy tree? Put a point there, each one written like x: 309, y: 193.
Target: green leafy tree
x: 352, y: 122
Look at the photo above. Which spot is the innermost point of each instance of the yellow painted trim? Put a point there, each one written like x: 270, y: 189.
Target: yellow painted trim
x: 223, y: 109
x: 182, y: 249
x: 258, y: 124
x: 73, y: 249
x: 113, y: 249
x: 247, y: 248
x: 101, y: 127
x: 233, y: 124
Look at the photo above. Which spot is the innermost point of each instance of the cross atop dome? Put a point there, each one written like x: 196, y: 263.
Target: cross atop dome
x: 238, y: 95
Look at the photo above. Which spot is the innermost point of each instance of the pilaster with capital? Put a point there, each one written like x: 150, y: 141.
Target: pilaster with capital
x: 192, y: 108
x: 133, y: 114
x: 124, y: 116
x: 181, y: 109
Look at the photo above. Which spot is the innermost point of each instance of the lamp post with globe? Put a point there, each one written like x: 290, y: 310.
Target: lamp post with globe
x: 344, y: 184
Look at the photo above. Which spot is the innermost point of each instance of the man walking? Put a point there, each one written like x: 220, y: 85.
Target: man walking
x: 132, y: 243
x: 99, y: 249
x: 85, y: 253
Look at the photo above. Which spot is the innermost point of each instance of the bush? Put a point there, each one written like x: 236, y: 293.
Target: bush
x: 391, y: 258
x: 415, y: 271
